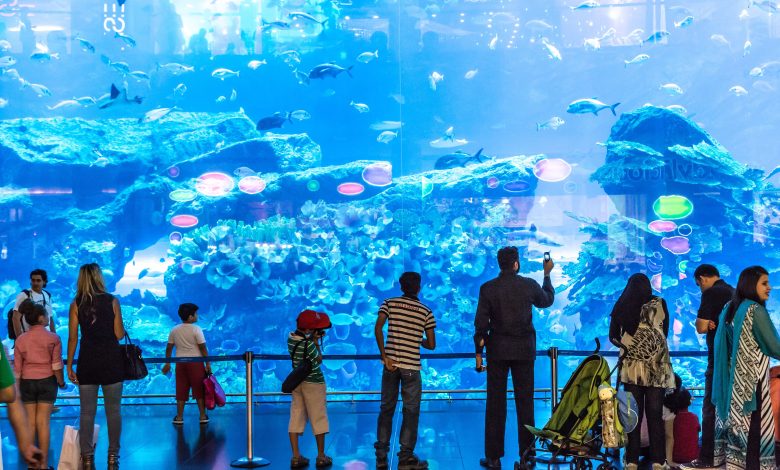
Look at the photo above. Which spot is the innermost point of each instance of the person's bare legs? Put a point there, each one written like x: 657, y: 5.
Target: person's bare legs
x: 30, y: 408
x: 180, y: 409
x: 42, y: 428
x: 296, y: 451
x: 201, y: 407
x: 320, y: 438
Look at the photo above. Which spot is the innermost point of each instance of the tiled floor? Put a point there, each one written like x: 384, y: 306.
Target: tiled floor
x: 450, y: 436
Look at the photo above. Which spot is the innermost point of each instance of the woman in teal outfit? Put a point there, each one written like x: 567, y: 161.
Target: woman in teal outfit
x: 745, y: 341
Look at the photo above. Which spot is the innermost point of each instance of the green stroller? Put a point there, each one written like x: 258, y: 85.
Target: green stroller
x: 573, y: 435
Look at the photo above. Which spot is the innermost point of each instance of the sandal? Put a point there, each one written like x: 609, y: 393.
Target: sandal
x: 204, y: 420
x: 299, y: 462
x: 178, y: 421
x: 324, y: 462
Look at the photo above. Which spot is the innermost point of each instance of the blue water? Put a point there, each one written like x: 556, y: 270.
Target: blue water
x: 378, y: 170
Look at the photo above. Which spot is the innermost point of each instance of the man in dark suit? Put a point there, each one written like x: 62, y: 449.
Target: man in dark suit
x: 504, y: 324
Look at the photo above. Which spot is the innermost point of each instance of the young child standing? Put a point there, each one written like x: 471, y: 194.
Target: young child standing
x: 38, y: 365
x: 189, y: 341
x: 308, y: 398
x: 686, y: 430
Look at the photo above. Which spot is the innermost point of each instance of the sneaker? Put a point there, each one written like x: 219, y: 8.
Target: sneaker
x: 698, y: 464
x: 413, y: 462
x: 490, y: 463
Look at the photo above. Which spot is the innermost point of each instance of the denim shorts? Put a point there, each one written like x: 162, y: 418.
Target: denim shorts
x: 38, y: 390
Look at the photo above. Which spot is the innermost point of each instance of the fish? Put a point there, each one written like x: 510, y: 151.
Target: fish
x: 671, y: 89
x: 140, y: 76
x: 557, y: 329
x: 590, y: 105
x: 676, y: 108
x: 275, y: 24
x: 294, y: 15
x: 273, y: 122
x: 255, y: 64
x: 180, y: 90
x: 328, y: 70
x: 303, y: 78
x: 300, y: 115
x: 636, y: 60
x: 85, y: 100
x: 121, y: 67
x: 3, y: 103
x: 221, y: 99
x: 538, y: 26
x: 39, y: 89
x: 11, y: 74
x: 445, y: 142
x: 592, y: 44
x: 175, y: 68
x: 7, y: 61
x: 552, y: 51
x: 766, y: 5
x: 386, y: 137
x: 746, y: 48
x: 398, y: 98
x: 44, y: 56
x: 531, y: 233
x: 367, y: 57
x: 155, y: 115
x: 471, y: 74
x: 720, y: 39
x: 244, y: 171
x: 434, y: 78
x: 493, y: 43
x: 738, y: 90
x: 64, y: 104
x: 458, y: 159
x: 290, y: 57
x: 756, y: 72
x: 684, y: 23
x: 114, y: 96
x: 553, y: 123
x: 586, y: 5
x: 125, y: 38
x: 657, y: 37
x: 85, y: 45
x: 386, y: 125
x: 773, y: 173
x: 5, y: 46
x: 361, y: 107
x: 146, y: 272
x: 223, y: 73
x: 100, y: 162
x: 233, y: 95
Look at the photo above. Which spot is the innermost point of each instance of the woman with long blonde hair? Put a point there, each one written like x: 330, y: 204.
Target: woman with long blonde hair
x: 98, y: 315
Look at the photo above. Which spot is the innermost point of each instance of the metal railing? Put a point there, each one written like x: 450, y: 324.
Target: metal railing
x: 252, y: 461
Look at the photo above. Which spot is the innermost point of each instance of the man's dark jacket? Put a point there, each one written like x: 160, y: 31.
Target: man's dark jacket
x: 504, y: 315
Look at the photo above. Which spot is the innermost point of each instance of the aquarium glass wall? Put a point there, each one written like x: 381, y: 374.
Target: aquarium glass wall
x: 259, y: 157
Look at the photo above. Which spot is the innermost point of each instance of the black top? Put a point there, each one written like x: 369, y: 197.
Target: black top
x: 504, y: 315
x: 100, y: 359
x: 712, y: 302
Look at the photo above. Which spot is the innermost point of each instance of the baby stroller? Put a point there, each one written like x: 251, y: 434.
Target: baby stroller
x: 573, y: 435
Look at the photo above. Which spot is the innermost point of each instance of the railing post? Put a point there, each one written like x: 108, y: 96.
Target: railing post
x: 553, y: 353
x: 250, y: 461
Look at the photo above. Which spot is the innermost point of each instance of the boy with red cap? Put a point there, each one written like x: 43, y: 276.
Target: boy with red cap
x: 308, y: 398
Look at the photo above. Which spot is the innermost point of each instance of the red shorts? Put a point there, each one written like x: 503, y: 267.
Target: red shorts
x: 189, y: 375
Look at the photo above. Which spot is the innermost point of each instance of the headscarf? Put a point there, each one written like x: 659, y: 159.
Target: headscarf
x: 628, y: 307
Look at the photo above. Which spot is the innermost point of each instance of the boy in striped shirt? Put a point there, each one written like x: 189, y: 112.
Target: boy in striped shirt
x: 407, y: 320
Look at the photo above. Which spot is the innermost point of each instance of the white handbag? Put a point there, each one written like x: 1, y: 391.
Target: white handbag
x: 70, y: 455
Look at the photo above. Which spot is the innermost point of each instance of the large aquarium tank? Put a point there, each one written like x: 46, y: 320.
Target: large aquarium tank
x: 259, y: 157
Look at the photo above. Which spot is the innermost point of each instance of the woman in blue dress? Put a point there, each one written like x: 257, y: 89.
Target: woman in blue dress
x: 745, y: 341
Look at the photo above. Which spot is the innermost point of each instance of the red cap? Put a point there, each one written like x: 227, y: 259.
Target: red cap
x: 311, y: 320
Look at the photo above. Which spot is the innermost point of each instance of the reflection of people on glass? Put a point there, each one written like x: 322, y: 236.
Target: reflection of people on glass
x: 199, y: 44
x: 745, y: 341
x: 97, y: 314
x: 504, y: 325
x: 638, y: 325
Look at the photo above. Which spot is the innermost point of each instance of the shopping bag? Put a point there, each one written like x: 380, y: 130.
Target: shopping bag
x: 213, y: 394
x: 70, y: 455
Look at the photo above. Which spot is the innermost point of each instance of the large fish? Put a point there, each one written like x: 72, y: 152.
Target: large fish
x: 274, y: 121
x: 115, y: 96
x: 155, y: 114
x: 590, y: 105
x: 328, y: 70
x: 458, y: 159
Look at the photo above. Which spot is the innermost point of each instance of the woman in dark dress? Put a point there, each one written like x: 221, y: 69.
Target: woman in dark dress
x: 639, y: 324
x: 100, y: 364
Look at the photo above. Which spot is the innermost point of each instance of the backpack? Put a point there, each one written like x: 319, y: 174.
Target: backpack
x: 10, y: 323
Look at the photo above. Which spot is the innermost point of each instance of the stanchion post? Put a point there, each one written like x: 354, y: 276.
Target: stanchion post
x: 553, y: 353
x: 250, y: 461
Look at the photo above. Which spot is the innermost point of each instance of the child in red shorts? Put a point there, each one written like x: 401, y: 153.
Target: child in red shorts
x: 189, y: 341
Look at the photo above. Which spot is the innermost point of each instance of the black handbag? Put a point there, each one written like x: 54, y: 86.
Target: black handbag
x: 135, y: 367
x: 298, y: 374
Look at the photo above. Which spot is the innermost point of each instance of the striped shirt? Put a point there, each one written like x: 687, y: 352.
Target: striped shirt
x: 315, y: 377
x: 408, y: 318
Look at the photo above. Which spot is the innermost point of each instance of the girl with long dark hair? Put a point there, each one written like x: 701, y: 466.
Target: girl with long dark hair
x: 639, y: 324
x: 745, y: 341
x: 98, y: 315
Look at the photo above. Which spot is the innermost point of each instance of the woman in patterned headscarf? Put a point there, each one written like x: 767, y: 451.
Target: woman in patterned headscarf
x: 639, y: 324
x: 745, y: 341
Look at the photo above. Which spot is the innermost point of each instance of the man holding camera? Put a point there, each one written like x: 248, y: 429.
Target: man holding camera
x: 504, y: 324
x: 408, y: 319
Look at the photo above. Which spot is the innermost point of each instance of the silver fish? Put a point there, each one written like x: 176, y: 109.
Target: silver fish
x: 367, y: 57
x: 125, y: 38
x: 223, y: 73
x: 155, y: 114
x: 175, y: 68
x: 64, y: 104
x: 386, y: 137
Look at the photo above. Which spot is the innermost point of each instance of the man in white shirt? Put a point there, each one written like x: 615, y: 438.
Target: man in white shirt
x: 36, y: 293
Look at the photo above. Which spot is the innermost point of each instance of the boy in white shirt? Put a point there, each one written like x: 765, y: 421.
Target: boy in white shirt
x: 189, y: 341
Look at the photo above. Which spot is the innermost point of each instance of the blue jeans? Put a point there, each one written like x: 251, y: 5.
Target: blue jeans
x: 112, y: 398
x: 410, y: 383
